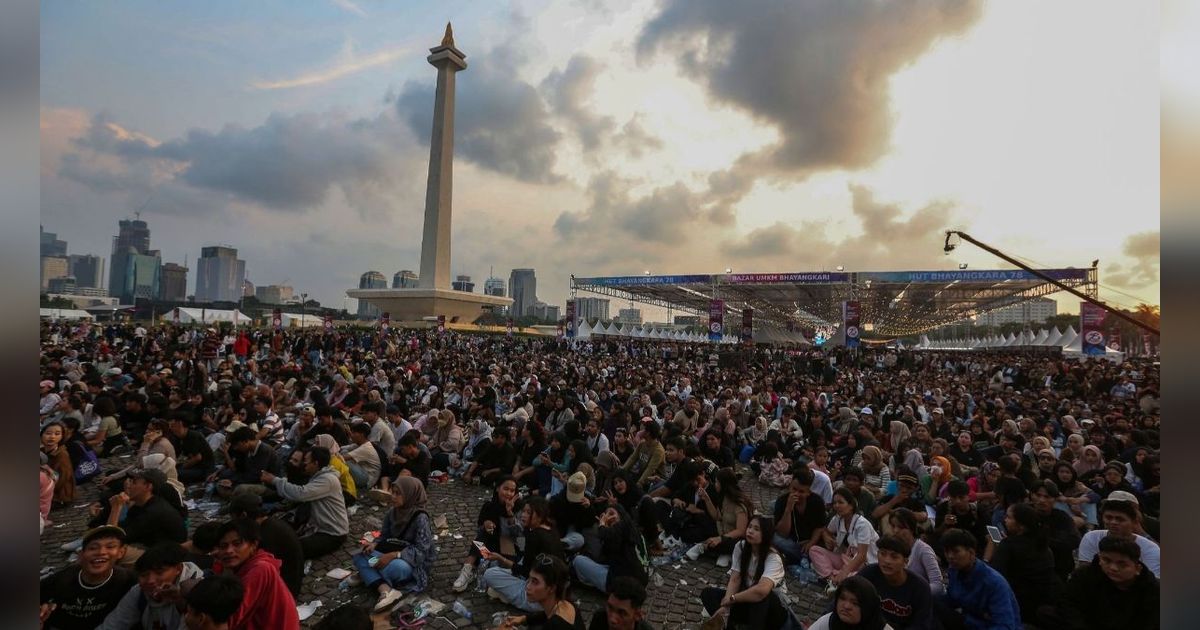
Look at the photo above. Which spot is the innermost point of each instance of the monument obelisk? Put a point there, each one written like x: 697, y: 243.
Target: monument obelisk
x: 433, y: 294
x: 435, y: 243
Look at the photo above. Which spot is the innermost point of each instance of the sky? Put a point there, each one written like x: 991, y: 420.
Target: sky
x: 611, y: 137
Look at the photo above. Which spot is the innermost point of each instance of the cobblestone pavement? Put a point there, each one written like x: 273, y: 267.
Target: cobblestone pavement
x: 674, y: 604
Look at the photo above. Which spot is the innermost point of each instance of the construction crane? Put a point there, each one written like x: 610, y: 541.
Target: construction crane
x: 949, y: 247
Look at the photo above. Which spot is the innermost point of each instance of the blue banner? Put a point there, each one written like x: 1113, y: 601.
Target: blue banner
x: 616, y: 281
x: 970, y: 275
x: 820, y: 277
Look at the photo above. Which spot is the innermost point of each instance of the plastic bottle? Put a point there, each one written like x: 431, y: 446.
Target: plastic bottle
x: 461, y: 608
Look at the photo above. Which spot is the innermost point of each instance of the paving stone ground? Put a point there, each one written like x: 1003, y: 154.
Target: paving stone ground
x: 674, y: 604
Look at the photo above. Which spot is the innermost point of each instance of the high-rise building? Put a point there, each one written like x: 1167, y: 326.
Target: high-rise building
x: 404, y: 279
x: 494, y: 286
x: 522, y: 286
x: 173, y: 282
x: 544, y: 312
x: 463, y: 283
x: 51, y: 245
x: 88, y: 270
x: 370, y: 280
x: 275, y: 294
x: 248, y: 289
x: 591, y: 308
x: 1035, y: 310
x: 64, y: 284
x: 130, y: 277
x: 53, y: 267
x: 220, y: 275
x: 629, y: 316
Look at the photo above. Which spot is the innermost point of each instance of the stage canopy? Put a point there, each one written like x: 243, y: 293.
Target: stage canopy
x: 893, y: 303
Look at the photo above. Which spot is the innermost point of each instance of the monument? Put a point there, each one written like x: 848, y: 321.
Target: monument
x: 433, y: 295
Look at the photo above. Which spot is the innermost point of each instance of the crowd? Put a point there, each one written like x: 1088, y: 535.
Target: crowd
x: 919, y: 489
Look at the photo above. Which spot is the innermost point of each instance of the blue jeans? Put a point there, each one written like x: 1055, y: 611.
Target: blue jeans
x: 360, y: 476
x: 591, y: 572
x: 395, y: 573
x: 510, y: 587
x: 791, y: 550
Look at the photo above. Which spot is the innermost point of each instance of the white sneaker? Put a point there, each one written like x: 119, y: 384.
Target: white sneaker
x: 74, y: 545
x: 388, y: 600
x: 380, y: 495
x: 464, y: 578
x: 724, y: 560
x: 696, y: 551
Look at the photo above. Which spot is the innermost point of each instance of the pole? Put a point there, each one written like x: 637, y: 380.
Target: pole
x: 991, y: 250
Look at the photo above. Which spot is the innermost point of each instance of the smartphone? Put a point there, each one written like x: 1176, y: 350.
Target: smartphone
x: 994, y: 533
x: 479, y: 545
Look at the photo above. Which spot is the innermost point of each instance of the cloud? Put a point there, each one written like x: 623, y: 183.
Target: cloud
x: 568, y: 91
x: 500, y: 121
x: 635, y: 140
x: 350, y: 7
x: 817, y: 71
x: 614, y: 216
x: 349, y: 63
x: 1143, y: 248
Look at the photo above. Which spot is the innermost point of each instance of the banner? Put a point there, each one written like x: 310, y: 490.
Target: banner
x: 385, y: 321
x: 441, y: 324
x: 277, y: 318
x: 1091, y: 329
x: 850, y: 322
x: 748, y: 326
x: 509, y: 327
x: 328, y: 323
x: 1114, y: 337
x: 570, y: 319
x: 716, y: 320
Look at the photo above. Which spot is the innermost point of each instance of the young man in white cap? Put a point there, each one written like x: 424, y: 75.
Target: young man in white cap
x: 1120, y: 514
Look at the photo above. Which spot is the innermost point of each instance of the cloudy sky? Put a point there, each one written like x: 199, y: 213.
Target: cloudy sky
x: 610, y: 137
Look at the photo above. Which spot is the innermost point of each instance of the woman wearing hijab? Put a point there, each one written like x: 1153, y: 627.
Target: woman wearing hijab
x: 404, y: 553
x: 940, y: 473
x: 447, y: 440
x: 1089, y: 466
x: 479, y: 437
x: 1046, y: 461
x: 897, y: 435
x: 349, y: 489
x: 876, y: 471
x: 856, y: 606
x: 1075, y: 497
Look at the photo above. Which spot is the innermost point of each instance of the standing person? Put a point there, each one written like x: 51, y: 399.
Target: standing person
x: 623, y: 608
x: 163, y: 576
x: 756, y: 581
x: 212, y: 603
x: 977, y: 597
x: 404, y: 553
x: 80, y: 596
x: 329, y: 522
x: 856, y: 606
x: 905, y: 597
x: 549, y: 579
x: 267, y: 604
x: 799, y: 517
x: 847, y: 542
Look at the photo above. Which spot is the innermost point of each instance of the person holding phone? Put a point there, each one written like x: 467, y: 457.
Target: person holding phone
x: 497, y: 518
x: 1024, y: 558
x: 507, y: 580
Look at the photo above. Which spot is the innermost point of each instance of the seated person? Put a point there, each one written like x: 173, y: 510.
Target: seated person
x: 572, y: 512
x: 266, y: 602
x: 921, y: 558
x: 163, y: 578
x: 904, y: 596
x: 621, y: 551
x: 669, y: 479
x: 507, y: 580
x: 855, y: 605
x: 847, y: 542
x: 756, y: 580
x: 1120, y: 517
x: 348, y: 616
x: 547, y: 589
x: 150, y: 519
x: 328, y: 522
x: 1061, y: 532
x: 80, y: 596
x: 977, y: 597
x: 404, y: 553
x: 212, y: 602
x: 730, y: 509
x: 958, y: 512
x: 275, y: 537
x: 412, y: 460
x: 193, y: 456
x: 799, y: 517
x: 362, y: 457
x: 493, y: 461
x: 246, y: 459
x: 623, y: 608
x: 1114, y: 591
x: 907, y: 496
x: 497, y: 519
x: 326, y: 425
x: 647, y: 458
x: 853, y: 478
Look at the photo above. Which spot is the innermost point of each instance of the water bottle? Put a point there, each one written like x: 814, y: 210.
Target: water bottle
x: 461, y: 609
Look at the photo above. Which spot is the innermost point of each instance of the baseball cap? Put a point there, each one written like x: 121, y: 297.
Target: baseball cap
x: 153, y: 475
x: 47, y: 383
x: 104, y: 531
x: 909, y: 478
x: 576, y: 485
x: 113, y: 371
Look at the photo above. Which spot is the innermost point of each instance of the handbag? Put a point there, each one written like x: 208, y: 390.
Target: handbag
x: 88, y: 466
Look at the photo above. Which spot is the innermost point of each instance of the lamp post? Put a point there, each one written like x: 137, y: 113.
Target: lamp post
x: 303, y: 308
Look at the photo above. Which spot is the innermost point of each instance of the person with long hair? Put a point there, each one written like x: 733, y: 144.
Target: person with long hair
x: 59, y: 461
x: 547, y: 588
x: 497, y: 519
x: 507, y: 579
x: 1024, y: 559
x: 731, y: 510
x: 622, y: 550
x: 922, y: 560
x: 847, y: 542
x: 756, y: 581
x: 1076, y: 498
x: 856, y: 606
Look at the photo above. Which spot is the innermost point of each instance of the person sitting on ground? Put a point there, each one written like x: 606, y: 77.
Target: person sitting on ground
x: 856, y: 606
x: 506, y: 581
x: 957, y: 511
x: 108, y: 438
x: 212, y: 602
x: 1120, y: 515
x: 623, y: 608
x: 349, y: 616
x: 852, y: 478
x: 497, y: 520
x: 246, y: 459
x: 447, y: 440
x: 80, y: 596
x: 60, y: 462
x: 647, y: 458
x: 622, y: 551
x: 977, y: 597
x: 326, y: 425
x: 547, y: 588
x: 163, y: 578
x: 150, y: 518
x: 494, y: 461
x: 329, y: 522
x: 194, y: 457
x: 275, y: 537
x: 362, y: 458
x: 412, y: 460
x: 921, y: 558
x: 350, y: 488
x: 404, y: 553
x: 154, y: 442
x: 1113, y: 592
x: 1060, y: 529
x: 905, y: 597
x: 847, y: 542
x: 373, y: 413
x: 267, y: 604
x: 572, y: 512
x: 730, y: 509
x: 907, y: 496
x: 799, y: 517
x: 753, y: 593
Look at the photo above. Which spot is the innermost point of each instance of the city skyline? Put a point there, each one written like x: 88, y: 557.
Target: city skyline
x: 598, y: 139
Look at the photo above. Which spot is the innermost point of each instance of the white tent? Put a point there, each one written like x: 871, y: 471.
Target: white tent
x: 583, y: 330
x: 290, y: 320
x: 1075, y: 349
x: 189, y: 315
x: 1042, y: 336
x: 64, y: 313
x: 1054, y: 336
x: 1068, y: 337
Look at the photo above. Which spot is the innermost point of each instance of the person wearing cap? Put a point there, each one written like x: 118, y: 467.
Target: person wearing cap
x: 329, y: 522
x: 1120, y: 515
x: 164, y: 576
x: 48, y: 405
x: 275, y: 537
x: 1114, y: 591
x: 907, y: 496
x: 151, y: 519
x: 80, y: 596
x: 572, y: 511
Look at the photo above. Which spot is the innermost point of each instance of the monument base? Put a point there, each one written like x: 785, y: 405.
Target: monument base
x: 417, y: 304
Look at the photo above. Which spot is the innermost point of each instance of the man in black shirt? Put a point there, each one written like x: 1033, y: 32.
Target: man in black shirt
x: 957, y: 512
x: 80, y: 596
x: 276, y: 537
x: 412, y: 461
x: 623, y: 608
x: 193, y: 455
x: 249, y: 459
x: 904, y: 596
x: 495, y: 461
x: 326, y: 424
x: 151, y: 519
x: 799, y: 517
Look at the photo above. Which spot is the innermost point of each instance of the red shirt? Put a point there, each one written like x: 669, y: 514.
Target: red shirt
x: 267, y: 603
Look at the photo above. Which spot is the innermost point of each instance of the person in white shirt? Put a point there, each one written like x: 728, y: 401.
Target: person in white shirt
x: 381, y: 433
x: 362, y: 459
x: 848, y: 542
x: 597, y: 442
x: 753, y: 595
x: 1120, y: 516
